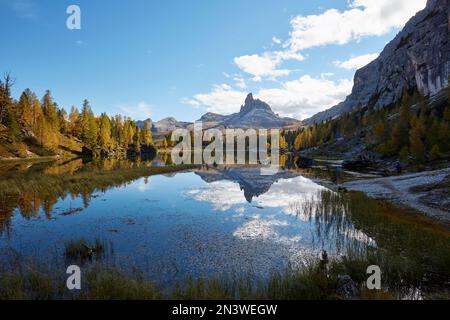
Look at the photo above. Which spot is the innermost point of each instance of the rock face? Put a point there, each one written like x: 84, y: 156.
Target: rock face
x: 417, y: 58
x: 253, y: 114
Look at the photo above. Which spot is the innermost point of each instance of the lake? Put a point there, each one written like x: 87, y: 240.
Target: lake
x: 213, y: 222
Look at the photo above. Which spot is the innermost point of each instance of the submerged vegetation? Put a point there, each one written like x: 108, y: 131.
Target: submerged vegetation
x: 82, y: 250
x: 315, y: 281
x: 412, y: 252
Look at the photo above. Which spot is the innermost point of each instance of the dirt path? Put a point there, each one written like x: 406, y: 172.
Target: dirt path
x: 399, y: 189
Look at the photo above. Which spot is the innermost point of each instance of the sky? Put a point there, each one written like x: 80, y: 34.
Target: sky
x: 183, y: 58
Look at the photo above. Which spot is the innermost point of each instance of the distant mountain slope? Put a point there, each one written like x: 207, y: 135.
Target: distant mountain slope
x: 417, y: 58
x: 253, y: 114
x: 169, y: 124
x: 165, y: 125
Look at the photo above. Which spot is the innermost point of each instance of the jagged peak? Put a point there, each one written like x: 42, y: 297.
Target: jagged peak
x: 251, y: 103
x: 249, y: 99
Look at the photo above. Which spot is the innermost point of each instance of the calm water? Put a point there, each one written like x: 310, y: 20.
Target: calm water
x: 212, y: 222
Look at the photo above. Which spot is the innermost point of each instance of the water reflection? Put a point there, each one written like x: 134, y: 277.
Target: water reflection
x: 212, y: 220
x: 321, y: 214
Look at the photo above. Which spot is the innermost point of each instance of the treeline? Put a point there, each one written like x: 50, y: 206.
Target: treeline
x: 47, y: 124
x: 411, y: 130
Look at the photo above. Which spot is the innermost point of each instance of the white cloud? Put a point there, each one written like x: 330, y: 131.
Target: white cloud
x: 141, y: 111
x: 358, y: 62
x: 276, y: 40
x: 266, y: 65
x: 299, y: 98
x: 362, y: 19
x: 222, y: 99
x: 240, y: 82
x: 306, y: 96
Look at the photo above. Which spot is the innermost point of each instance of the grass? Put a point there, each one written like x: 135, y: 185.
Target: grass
x: 409, y: 248
x: 82, y: 250
x: 313, y: 282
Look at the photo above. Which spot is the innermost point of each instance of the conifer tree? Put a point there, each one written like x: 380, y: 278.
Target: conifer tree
x: 416, y: 136
x: 105, y: 132
x: 147, y: 134
x: 24, y: 109
x: 50, y: 110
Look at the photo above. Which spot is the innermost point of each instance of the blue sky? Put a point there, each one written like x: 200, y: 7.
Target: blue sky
x: 182, y: 58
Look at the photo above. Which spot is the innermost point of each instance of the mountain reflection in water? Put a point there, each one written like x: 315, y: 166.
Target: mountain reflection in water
x: 209, y: 221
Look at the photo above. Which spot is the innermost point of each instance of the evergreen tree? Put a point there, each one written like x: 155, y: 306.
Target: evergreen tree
x: 432, y: 135
x: 416, y: 136
x: 435, y: 153
x: 12, y: 123
x: 444, y: 136
x: 6, y: 101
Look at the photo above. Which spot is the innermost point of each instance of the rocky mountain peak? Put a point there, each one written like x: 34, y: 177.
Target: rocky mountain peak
x: 252, y: 104
x: 249, y: 99
x: 418, y: 58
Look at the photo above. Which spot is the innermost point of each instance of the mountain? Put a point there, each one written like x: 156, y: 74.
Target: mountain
x: 169, y: 124
x: 250, y: 180
x: 165, y: 125
x: 417, y: 59
x: 212, y: 117
x: 140, y: 123
x: 253, y: 114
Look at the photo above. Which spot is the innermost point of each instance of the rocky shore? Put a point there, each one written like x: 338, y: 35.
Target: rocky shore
x: 427, y: 192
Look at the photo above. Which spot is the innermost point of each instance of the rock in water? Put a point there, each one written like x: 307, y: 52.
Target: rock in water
x: 418, y: 58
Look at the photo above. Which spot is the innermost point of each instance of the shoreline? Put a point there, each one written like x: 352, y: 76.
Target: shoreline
x: 426, y: 192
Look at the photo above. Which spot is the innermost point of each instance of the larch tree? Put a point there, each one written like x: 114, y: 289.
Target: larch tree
x: 89, y: 129
x: 147, y: 134
x: 75, y: 122
x: 416, y: 136
x: 50, y: 110
x: 24, y: 109
x: 105, y: 132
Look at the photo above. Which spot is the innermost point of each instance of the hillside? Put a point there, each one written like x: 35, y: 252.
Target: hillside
x: 417, y: 59
x: 31, y: 128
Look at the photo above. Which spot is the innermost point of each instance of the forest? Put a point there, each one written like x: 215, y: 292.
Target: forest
x: 31, y: 127
x: 415, y: 129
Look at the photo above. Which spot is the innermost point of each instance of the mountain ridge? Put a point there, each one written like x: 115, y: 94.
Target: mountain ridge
x: 418, y: 58
x: 254, y: 113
